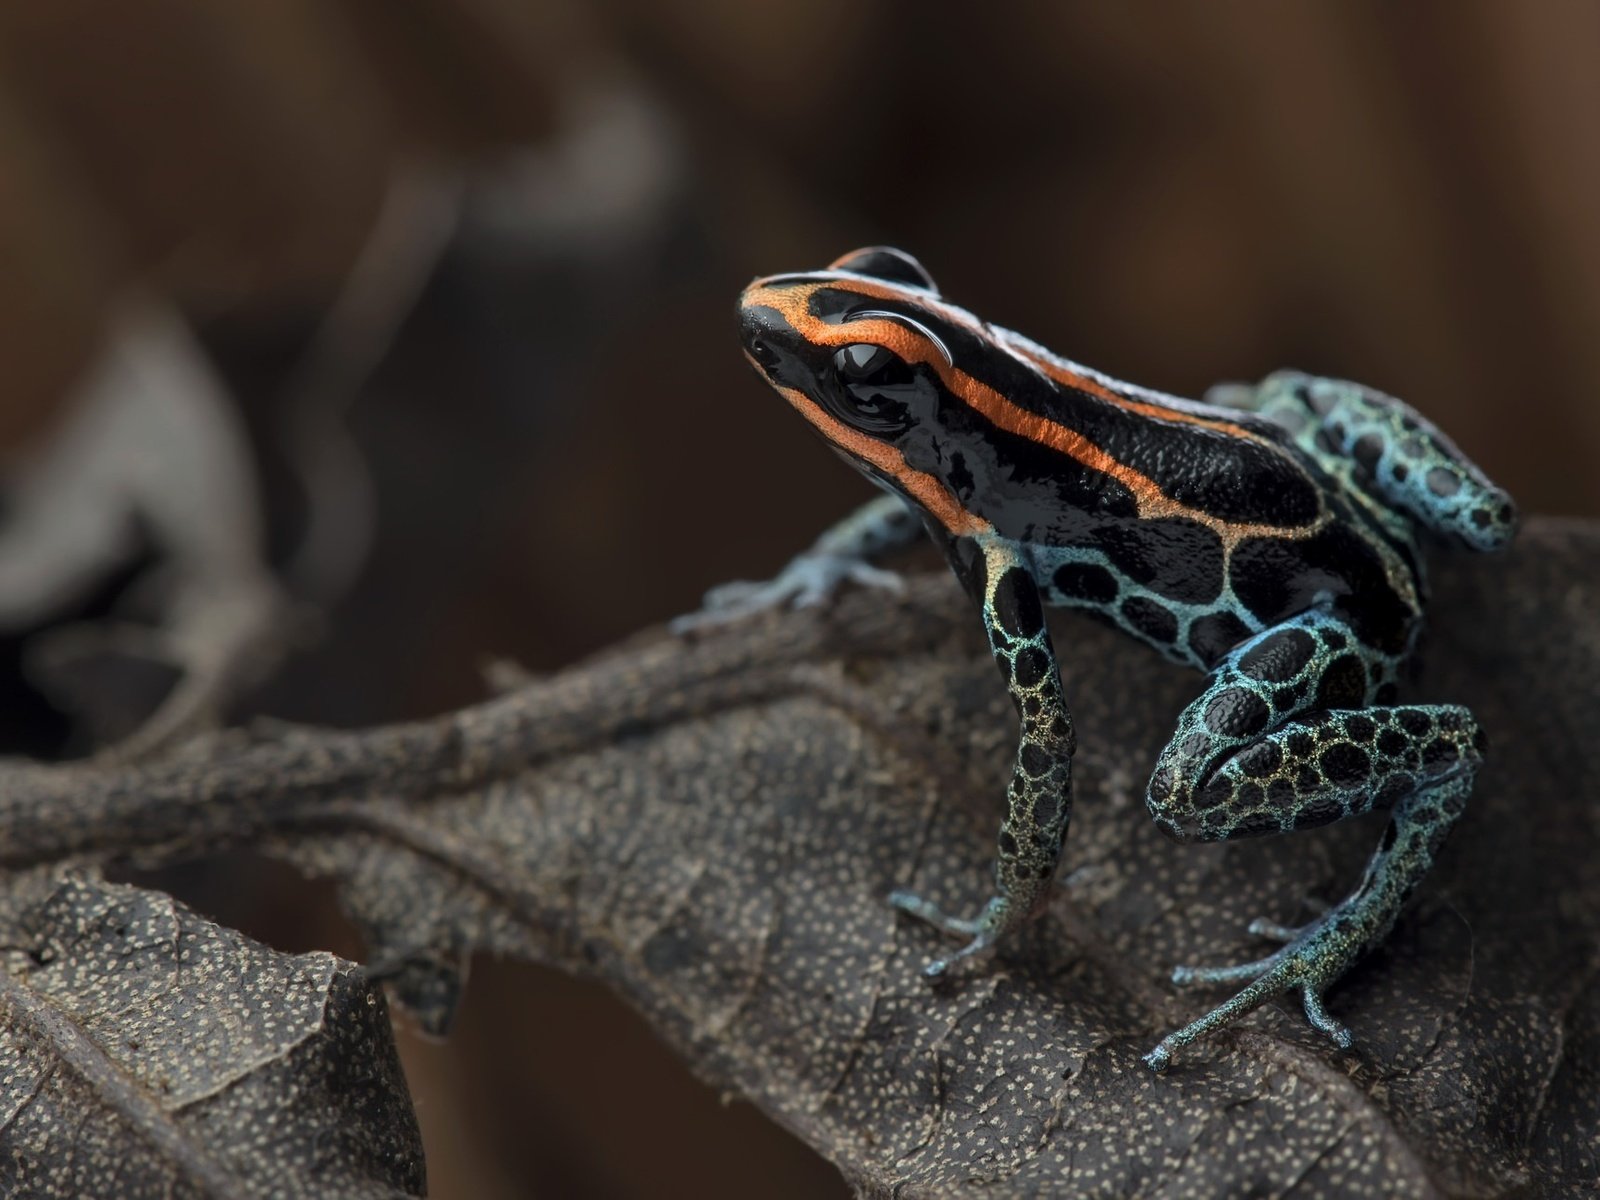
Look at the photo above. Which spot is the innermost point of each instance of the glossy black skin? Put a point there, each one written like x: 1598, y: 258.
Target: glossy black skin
x: 1275, y: 545
x: 1039, y: 498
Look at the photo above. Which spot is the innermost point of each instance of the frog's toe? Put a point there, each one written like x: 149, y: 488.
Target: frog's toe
x: 983, y: 931
x: 807, y: 582
x: 722, y: 604
x: 737, y: 593
x: 936, y: 969
x: 1159, y: 1059
x: 1268, y: 977
x: 1210, y: 976
x: 926, y: 910
x: 729, y: 602
x: 1312, y: 959
x: 866, y: 575
x: 1263, y: 928
x: 815, y: 578
x: 1323, y: 1023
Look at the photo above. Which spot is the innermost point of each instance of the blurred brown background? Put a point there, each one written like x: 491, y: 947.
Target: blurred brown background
x: 555, y: 203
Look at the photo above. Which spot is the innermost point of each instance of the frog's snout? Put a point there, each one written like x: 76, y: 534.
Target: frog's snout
x: 760, y: 342
x: 763, y: 351
x: 770, y: 343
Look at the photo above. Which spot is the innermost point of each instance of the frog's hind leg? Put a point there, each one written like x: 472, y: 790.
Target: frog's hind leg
x: 1283, y: 740
x: 1384, y: 447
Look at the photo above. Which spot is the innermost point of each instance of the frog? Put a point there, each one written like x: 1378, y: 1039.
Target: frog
x: 1271, y: 536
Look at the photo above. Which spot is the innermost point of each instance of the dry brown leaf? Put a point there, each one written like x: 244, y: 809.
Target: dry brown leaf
x: 712, y: 826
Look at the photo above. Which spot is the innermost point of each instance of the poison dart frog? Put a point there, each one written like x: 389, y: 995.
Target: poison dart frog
x: 1271, y: 537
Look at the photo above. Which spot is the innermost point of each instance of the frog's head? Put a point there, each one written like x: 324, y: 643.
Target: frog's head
x: 859, y: 349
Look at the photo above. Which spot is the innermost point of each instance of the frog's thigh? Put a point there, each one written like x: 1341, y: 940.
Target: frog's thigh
x: 1390, y: 451
x: 1284, y: 739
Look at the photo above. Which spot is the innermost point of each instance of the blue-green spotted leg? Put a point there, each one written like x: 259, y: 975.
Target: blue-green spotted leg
x: 1039, y: 797
x: 845, y: 552
x: 1375, y: 443
x: 1284, y: 739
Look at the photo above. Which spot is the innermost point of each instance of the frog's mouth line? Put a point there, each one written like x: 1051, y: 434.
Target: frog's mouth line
x: 926, y: 490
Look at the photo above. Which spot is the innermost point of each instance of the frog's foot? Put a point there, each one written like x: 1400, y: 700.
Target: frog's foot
x: 983, y: 930
x: 808, y: 581
x: 1312, y: 959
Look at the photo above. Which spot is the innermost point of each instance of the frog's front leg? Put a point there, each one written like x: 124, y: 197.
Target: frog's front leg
x: 1039, y: 797
x: 1284, y: 739
x: 846, y: 551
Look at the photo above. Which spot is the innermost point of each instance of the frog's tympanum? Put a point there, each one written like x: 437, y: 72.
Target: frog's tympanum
x: 1270, y: 538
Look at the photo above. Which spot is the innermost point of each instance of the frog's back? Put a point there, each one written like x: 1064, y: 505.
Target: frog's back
x: 1189, y: 525
x: 1194, y: 586
x: 1150, y: 452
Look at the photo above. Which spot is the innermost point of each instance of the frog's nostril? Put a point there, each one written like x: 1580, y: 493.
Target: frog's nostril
x: 761, y: 350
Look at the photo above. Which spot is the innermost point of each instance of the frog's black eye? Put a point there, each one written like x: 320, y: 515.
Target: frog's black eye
x: 875, y: 382
x: 865, y: 363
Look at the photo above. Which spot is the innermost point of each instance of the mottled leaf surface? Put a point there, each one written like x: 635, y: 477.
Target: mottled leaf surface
x: 147, y: 1052
x: 712, y: 826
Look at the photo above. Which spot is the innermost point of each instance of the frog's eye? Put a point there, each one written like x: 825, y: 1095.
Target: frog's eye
x: 875, y: 382
x: 865, y: 369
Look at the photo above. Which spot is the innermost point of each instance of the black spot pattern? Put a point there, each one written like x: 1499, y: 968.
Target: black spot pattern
x: 1086, y: 581
x: 1261, y: 759
x: 1367, y: 450
x: 1157, y: 623
x: 1171, y: 558
x: 1237, y: 713
x: 1344, y: 684
x: 1279, y: 656
x: 1316, y: 764
x: 1344, y: 764
x: 1443, y: 482
x: 1306, y: 753
x: 1016, y: 604
x: 1031, y: 667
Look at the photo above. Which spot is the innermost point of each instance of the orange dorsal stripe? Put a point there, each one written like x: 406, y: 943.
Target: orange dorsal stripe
x: 792, y: 304
x: 926, y: 490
